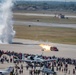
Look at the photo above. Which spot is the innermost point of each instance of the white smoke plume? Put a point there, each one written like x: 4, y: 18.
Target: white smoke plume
x: 6, y: 24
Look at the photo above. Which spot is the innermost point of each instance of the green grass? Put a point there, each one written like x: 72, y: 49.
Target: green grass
x: 45, y: 19
x: 57, y: 35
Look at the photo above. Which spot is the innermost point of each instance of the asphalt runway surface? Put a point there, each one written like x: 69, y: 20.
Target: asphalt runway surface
x: 36, y: 14
x: 32, y: 47
x: 45, y: 24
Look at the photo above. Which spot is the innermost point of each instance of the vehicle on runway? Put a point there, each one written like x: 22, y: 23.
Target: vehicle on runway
x: 48, y: 47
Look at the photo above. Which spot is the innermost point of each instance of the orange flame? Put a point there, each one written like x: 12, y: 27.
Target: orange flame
x: 45, y: 47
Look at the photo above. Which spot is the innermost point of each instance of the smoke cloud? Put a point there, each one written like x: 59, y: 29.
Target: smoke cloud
x: 6, y: 24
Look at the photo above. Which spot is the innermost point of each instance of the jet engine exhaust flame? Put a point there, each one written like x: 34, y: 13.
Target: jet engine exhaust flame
x: 48, y: 47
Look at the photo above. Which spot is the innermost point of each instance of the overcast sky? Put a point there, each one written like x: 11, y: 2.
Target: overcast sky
x: 52, y: 0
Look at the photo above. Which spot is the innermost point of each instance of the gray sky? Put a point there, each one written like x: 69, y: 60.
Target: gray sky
x: 51, y: 0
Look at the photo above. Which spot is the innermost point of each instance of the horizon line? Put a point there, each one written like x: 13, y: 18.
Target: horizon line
x: 46, y: 1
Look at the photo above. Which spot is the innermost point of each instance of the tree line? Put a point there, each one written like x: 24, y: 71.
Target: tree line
x: 44, y: 5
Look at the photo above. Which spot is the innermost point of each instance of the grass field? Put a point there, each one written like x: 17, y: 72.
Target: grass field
x: 57, y: 35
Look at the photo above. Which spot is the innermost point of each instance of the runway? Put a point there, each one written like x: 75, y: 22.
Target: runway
x: 32, y: 47
x: 45, y: 24
x: 36, y: 14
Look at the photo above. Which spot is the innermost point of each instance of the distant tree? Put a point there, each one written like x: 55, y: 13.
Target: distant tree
x: 45, y: 6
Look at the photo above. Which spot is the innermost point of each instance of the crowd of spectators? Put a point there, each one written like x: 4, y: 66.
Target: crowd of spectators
x: 61, y: 64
